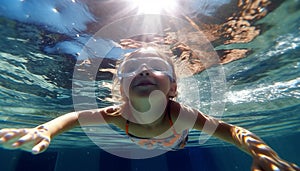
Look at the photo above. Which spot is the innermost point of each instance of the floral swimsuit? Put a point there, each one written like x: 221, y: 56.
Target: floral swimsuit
x: 174, y: 142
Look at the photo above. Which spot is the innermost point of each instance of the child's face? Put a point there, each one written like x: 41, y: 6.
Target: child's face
x: 142, y: 75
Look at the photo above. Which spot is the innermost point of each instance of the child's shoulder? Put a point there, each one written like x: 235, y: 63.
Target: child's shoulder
x: 180, y: 106
x: 114, y: 110
x: 183, y: 116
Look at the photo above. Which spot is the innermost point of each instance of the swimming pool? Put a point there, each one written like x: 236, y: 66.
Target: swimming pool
x: 40, y: 42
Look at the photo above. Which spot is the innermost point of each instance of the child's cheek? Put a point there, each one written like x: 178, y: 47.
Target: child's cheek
x: 126, y: 85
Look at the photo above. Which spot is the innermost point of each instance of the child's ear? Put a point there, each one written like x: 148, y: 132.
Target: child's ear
x: 173, y: 90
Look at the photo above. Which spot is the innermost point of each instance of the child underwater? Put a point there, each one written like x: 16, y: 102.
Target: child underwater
x: 149, y: 116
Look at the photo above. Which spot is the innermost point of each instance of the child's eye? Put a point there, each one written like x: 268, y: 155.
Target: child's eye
x: 130, y: 66
x: 128, y: 69
x: 158, y: 68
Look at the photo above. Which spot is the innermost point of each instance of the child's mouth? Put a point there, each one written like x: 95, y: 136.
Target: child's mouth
x: 144, y: 83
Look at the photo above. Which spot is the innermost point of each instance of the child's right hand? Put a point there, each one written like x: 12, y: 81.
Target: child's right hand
x: 35, y: 140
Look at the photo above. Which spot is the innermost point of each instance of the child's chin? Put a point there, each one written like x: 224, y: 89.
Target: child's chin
x: 143, y: 91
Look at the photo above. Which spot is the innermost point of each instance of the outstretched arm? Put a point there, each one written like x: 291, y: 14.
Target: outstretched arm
x: 264, y: 158
x: 38, y: 139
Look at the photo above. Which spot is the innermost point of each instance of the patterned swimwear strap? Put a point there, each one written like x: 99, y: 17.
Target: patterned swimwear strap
x: 127, y: 127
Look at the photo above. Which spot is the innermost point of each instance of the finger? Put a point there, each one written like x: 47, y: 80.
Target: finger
x: 5, y: 130
x: 291, y: 166
x: 23, y: 140
x: 27, y: 147
x: 9, y: 138
x: 5, y: 137
x: 286, y: 165
x: 295, y: 167
x: 11, y: 144
x: 275, y: 164
x: 255, y: 168
x: 41, y: 146
x: 10, y: 134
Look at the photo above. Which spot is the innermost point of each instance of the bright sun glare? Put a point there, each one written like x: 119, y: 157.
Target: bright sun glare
x: 154, y: 6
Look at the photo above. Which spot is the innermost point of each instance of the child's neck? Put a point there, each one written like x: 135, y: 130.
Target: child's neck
x: 147, y: 111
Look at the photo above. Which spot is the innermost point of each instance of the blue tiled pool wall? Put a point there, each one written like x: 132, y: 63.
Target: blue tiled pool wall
x: 190, y: 159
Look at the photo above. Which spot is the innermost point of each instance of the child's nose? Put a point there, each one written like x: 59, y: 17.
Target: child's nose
x: 145, y: 72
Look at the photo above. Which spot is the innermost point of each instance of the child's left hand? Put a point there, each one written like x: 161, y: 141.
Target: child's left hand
x: 273, y: 163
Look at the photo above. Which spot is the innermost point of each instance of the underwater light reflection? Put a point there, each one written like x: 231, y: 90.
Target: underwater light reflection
x: 154, y: 6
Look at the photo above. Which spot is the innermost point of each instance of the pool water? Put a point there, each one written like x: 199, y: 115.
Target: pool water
x: 41, y: 41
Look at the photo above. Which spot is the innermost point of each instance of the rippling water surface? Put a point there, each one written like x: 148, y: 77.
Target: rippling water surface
x: 262, y: 93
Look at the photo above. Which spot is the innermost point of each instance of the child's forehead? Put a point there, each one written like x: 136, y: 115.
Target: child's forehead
x: 144, y: 55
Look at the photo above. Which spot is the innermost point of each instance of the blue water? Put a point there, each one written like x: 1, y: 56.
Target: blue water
x: 41, y: 40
